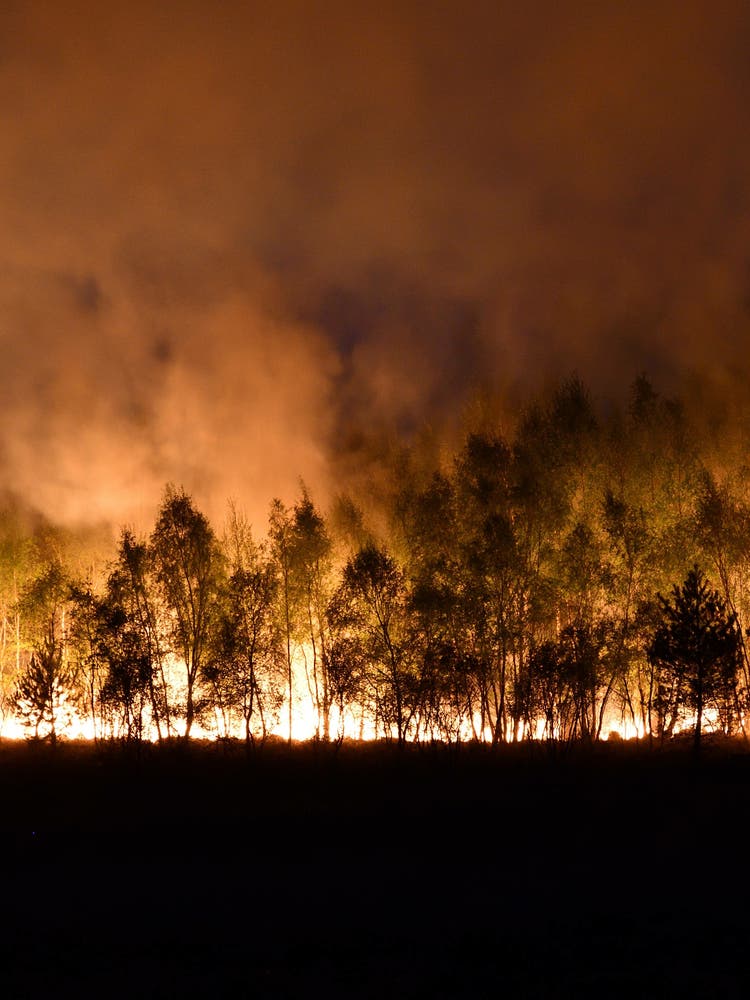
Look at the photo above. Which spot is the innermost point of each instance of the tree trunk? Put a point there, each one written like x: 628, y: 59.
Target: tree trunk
x: 699, y: 715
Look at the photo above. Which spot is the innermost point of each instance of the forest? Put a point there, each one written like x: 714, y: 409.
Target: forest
x: 583, y: 575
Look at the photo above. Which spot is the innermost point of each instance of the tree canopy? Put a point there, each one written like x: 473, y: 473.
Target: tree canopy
x: 509, y: 590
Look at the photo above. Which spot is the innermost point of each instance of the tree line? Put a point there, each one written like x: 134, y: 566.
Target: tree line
x: 585, y: 572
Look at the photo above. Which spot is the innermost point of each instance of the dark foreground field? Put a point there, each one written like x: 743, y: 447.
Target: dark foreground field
x: 374, y: 873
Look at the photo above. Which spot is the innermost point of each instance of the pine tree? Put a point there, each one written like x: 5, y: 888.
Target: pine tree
x: 698, y: 646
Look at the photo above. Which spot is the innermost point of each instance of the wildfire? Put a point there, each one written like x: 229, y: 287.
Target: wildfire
x: 357, y: 723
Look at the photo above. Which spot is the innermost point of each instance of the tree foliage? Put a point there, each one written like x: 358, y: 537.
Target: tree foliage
x: 697, y: 651
x: 504, y: 591
x: 187, y: 566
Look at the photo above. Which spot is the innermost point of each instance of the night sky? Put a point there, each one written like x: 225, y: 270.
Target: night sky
x: 237, y: 239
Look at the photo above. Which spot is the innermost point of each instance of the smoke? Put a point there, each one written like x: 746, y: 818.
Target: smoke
x: 239, y: 239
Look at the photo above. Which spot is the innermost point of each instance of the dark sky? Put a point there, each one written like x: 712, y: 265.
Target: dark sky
x: 234, y: 235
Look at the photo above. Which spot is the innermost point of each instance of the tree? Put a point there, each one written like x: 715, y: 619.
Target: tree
x: 631, y: 562
x: 43, y: 695
x: 188, y: 566
x: 439, y: 547
x: 723, y: 529
x: 246, y: 671
x: 490, y: 599
x: 17, y: 557
x: 374, y: 591
x: 311, y: 565
x: 563, y: 684
x: 84, y: 636
x: 132, y: 599
x: 697, y: 645
x: 281, y: 532
x: 128, y: 681
x: 114, y: 662
x: 345, y: 662
x: 45, y: 690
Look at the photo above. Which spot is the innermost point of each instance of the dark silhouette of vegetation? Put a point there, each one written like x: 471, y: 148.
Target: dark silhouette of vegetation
x: 187, y: 569
x: 509, y: 592
x: 246, y: 669
x: 697, y: 652
x: 46, y: 690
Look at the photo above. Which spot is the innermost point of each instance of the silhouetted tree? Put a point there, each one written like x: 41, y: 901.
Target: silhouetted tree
x: 246, y: 670
x: 133, y: 599
x: 517, y: 584
x: 45, y: 691
x: 564, y: 683
x: 281, y: 533
x: 448, y: 690
x: 188, y: 567
x: 114, y: 661
x: 84, y: 643
x: 631, y: 562
x: 491, y: 591
x: 697, y: 645
x: 723, y: 529
x: 374, y: 591
x: 540, y: 692
x: 312, y: 568
x: 346, y: 665
x: 16, y: 569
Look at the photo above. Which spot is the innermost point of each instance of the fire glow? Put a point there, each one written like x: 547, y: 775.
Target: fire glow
x: 358, y: 723
x: 508, y: 594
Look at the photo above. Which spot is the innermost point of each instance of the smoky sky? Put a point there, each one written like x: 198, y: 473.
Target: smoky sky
x: 237, y: 238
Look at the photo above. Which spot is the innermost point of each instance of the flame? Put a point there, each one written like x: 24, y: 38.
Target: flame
x: 624, y: 729
x: 357, y: 722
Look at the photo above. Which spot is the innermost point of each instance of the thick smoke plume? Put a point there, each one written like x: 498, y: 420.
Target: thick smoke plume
x: 240, y: 238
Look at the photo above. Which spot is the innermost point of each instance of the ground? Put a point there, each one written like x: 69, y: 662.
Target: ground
x: 371, y: 872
